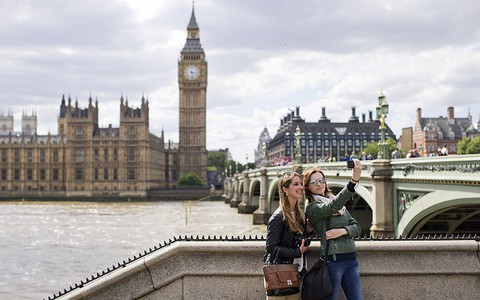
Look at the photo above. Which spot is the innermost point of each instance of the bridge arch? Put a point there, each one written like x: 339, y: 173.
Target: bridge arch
x: 362, y: 191
x: 273, y: 197
x: 254, y: 193
x: 427, y: 207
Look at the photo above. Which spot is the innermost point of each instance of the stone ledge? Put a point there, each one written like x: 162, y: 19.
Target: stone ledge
x: 396, y: 269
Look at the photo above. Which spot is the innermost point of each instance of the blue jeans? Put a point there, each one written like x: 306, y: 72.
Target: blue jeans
x: 344, y: 274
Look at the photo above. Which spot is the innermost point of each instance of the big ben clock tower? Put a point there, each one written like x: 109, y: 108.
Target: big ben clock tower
x: 192, y: 84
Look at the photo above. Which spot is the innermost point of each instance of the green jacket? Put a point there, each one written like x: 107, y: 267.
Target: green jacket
x: 318, y: 211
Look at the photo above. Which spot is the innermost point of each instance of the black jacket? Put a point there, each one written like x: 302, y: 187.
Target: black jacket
x: 281, y: 239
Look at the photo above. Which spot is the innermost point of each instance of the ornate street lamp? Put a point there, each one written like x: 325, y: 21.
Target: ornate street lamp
x: 298, y: 155
x: 382, y: 111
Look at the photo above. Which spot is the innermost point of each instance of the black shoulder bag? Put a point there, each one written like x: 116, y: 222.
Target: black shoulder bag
x: 316, y: 282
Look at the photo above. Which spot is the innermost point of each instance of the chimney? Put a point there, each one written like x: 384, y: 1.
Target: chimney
x: 297, y: 111
x: 419, y: 114
x: 363, y: 117
x: 370, y: 116
x: 323, y: 117
x: 353, y: 118
x: 450, y: 115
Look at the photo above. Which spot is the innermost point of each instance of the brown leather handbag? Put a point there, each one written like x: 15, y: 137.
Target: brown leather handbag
x: 281, y: 276
x: 281, y: 279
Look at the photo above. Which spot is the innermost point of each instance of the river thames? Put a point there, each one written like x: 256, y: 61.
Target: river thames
x: 47, y: 246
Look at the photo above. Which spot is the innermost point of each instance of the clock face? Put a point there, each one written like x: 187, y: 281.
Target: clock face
x: 191, y: 72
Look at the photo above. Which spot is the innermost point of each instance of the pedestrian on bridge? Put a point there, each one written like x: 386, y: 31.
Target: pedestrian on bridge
x: 285, y: 243
x: 322, y: 204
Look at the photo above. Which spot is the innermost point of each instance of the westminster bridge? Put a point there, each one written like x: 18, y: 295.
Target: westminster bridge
x: 401, y: 197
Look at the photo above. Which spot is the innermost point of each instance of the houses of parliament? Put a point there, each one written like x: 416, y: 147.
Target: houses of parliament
x: 85, y: 161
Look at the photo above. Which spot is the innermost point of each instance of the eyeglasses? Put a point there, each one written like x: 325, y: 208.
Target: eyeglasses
x: 318, y: 181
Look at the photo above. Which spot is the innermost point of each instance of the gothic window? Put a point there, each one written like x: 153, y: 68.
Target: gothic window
x: 105, y: 154
x: 55, y: 155
x: 78, y: 173
x: 4, y: 155
x: 16, y: 174
x: 131, y: 174
x: 115, y: 174
x: 55, y: 174
x: 16, y: 155
x: 105, y: 174
x: 79, y: 155
x: 42, y: 174
x: 132, y: 131
x: 29, y: 155
x: 131, y: 154
x: 95, y: 176
x: 115, y: 154
x: 79, y: 132
x: 29, y: 174
x: 42, y: 155
x: 4, y: 174
x: 451, y: 135
x: 95, y: 154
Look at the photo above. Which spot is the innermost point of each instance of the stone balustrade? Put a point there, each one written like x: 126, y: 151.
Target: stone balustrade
x: 231, y: 269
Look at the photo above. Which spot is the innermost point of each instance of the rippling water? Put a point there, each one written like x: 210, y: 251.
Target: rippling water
x: 48, y: 246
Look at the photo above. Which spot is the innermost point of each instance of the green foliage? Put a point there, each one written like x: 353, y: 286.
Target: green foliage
x: 217, y: 159
x: 469, y: 146
x: 190, y: 179
x: 392, y: 145
x: 372, y: 148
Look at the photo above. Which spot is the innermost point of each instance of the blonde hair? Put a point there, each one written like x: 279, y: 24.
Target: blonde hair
x: 295, y: 224
x: 306, y: 181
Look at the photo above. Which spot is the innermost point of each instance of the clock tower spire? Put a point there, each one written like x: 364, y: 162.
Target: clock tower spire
x: 192, y: 83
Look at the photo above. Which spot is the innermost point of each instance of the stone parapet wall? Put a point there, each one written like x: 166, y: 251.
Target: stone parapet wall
x: 390, y: 269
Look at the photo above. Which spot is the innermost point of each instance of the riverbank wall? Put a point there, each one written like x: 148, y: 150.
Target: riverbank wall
x: 230, y: 268
x: 156, y: 195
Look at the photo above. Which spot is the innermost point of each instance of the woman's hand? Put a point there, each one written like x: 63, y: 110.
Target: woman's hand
x: 303, y: 248
x: 336, y: 233
x: 357, y: 171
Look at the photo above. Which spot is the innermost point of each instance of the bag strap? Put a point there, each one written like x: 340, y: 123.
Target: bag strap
x: 327, y: 227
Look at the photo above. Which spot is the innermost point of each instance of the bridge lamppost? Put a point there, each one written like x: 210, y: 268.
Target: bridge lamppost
x: 382, y: 111
x: 298, y: 155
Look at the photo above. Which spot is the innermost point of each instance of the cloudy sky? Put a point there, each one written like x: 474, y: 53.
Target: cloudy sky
x: 265, y: 57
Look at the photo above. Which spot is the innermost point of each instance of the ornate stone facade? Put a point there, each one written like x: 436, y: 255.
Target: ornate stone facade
x: 84, y: 160
x: 192, y: 81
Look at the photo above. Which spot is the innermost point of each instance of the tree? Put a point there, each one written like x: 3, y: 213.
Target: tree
x: 372, y: 148
x: 190, y: 179
x: 217, y: 159
x: 469, y: 146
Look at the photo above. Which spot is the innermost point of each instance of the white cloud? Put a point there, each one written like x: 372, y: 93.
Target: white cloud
x: 264, y: 57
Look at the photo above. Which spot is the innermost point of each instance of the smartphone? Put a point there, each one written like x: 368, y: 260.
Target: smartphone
x: 350, y: 164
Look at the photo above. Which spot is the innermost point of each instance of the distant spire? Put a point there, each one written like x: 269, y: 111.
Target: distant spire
x: 193, y: 21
